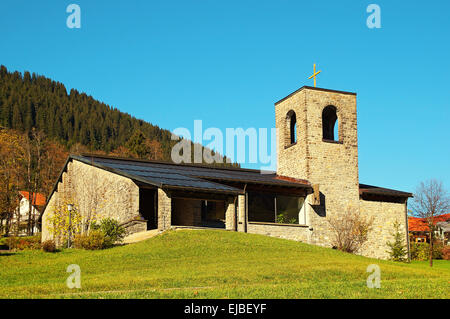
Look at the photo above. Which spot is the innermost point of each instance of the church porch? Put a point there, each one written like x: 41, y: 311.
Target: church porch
x: 191, y: 209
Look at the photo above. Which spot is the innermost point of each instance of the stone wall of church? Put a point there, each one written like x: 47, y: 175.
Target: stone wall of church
x: 230, y: 213
x: 292, y: 232
x: 292, y: 159
x: 95, y: 193
x: 384, y: 214
x: 164, y: 210
x: 46, y: 217
x: 241, y: 213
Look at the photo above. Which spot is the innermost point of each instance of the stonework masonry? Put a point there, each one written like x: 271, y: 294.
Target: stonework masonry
x: 241, y: 213
x: 94, y: 192
x: 292, y: 232
x: 385, y: 215
x: 134, y: 226
x: 330, y: 164
x: 230, y: 213
x: 164, y: 210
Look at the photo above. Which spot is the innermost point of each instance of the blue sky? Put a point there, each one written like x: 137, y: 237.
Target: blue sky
x: 227, y: 62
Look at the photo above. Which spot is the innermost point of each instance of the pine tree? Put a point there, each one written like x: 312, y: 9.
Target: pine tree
x: 34, y: 101
x: 136, y: 144
x: 397, y: 249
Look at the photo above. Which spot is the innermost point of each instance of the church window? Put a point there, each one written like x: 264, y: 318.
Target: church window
x: 289, y: 210
x: 329, y: 123
x: 291, y: 128
x: 276, y: 208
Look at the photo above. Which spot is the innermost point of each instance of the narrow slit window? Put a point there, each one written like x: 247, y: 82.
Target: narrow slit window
x: 329, y: 123
x: 291, y: 129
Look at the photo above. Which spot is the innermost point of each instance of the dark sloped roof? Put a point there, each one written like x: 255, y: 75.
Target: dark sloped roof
x: 200, y: 177
x: 156, y: 177
x: 365, y: 189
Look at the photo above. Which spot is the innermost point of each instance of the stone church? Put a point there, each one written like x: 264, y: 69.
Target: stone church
x: 316, y: 179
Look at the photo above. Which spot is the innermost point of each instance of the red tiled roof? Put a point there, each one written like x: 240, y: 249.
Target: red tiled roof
x: 420, y: 224
x: 38, y: 199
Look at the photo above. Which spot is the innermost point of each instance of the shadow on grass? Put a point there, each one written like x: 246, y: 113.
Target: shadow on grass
x: 6, y: 253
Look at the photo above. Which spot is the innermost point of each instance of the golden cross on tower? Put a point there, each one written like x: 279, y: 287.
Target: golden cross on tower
x: 314, y: 75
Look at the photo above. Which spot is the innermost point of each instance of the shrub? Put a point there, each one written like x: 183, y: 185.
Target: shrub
x: 437, y: 250
x: 94, y: 240
x: 4, y: 243
x: 59, y: 221
x: 22, y: 243
x: 446, y: 252
x: 78, y: 241
x: 49, y: 246
x: 397, y: 250
x: 102, y: 235
x: 350, y: 230
x: 111, y: 229
x: 421, y: 251
x: 282, y: 219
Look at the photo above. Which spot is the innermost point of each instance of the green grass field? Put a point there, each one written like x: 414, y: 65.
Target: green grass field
x: 215, y: 264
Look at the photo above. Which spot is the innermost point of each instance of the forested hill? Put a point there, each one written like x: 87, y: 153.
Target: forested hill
x: 33, y: 101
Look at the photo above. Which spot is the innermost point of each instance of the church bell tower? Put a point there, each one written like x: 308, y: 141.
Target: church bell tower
x: 317, y: 141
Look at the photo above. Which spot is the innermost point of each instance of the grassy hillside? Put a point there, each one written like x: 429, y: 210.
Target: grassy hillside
x: 215, y: 264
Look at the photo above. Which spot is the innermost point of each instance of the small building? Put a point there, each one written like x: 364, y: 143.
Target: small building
x: 38, y: 203
x: 443, y: 231
x: 317, y: 177
x: 420, y: 232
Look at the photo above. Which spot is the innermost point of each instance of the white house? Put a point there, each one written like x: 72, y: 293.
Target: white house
x: 38, y: 202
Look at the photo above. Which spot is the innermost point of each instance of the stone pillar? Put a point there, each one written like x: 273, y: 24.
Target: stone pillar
x: 230, y: 209
x: 241, y: 213
x: 164, y: 210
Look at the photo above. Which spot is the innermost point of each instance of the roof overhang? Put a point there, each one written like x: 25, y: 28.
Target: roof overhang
x: 314, y: 89
x: 369, y: 189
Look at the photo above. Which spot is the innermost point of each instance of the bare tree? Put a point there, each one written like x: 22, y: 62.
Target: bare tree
x: 33, y: 146
x: 38, y: 139
x: 53, y: 159
x: 28, y: 147
x: 430, y: 200
x: 350, y: 230
x: 11, y: 158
